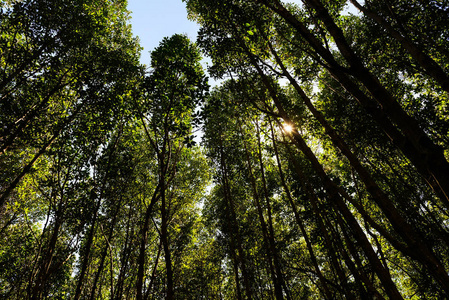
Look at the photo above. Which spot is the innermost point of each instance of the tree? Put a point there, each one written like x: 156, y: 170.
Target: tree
x: 246, y: 38
x: 61, y: 62
x: 171, y: 92
x: 322, y: 172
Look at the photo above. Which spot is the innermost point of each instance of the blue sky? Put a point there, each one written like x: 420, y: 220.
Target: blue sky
x: 152, y: 20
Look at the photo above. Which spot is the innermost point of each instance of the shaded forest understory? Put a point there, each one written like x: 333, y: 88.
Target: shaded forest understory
x: 322, y: 171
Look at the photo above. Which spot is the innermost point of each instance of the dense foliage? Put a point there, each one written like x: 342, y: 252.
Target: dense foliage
x: 322, y: 173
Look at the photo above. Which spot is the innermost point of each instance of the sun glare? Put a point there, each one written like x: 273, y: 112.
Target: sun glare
x: 288, y: 128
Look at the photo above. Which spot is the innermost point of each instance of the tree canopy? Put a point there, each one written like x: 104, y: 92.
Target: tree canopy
x: 321, y: 170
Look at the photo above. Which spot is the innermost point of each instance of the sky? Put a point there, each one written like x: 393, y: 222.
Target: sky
x: 152, y: 20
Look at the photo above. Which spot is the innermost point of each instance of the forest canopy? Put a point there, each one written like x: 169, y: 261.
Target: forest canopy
x: 322, y: 170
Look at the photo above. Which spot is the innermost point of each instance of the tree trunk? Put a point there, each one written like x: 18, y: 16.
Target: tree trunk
x: 153, y: 273
x: 336, y: 201
x: 11, y: 186
x: 143, y: 243
x: 417, y: 247
x: 235, y: 232
x: 104, y: 252
x: 271, y: 238
x: 165, y: 241
x: 265, y: 234
x: 426, y: 62
x: 332, y: 252
x: 427, y: 157
x: 327, y: 293
x: 43, y: 274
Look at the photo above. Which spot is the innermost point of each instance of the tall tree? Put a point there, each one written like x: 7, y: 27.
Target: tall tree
x: 171, y: 92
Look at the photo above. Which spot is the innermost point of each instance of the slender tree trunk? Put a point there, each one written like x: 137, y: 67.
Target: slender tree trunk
x: 336, y: 201
x: 90, y: 237
x: 426, y: 62
x: 332, y: 252
x: 165, y: 241
x: 427, y: 157
x: 339, y: 236
x: 299, y: 222
x: 265, y: 234
x: 27, y: 117
x: 105, y: 252
x: 86, y: 255
x: 11, y: 186
x: 235, y: 232
x: 271, y: 238
x: 232, y: 232
x: 41, y: 279
x: 357, y: 266
x: 143, y: 243
x: 117, y: 293
x: 153, y: 273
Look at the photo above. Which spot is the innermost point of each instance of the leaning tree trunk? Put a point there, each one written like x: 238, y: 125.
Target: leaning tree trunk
x: 235, y: 232
x: 425, y: 155
x: 299, y: 222
x: 263, y: 224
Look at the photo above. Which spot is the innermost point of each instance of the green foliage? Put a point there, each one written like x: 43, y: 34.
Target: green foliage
x: 105, y: 194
